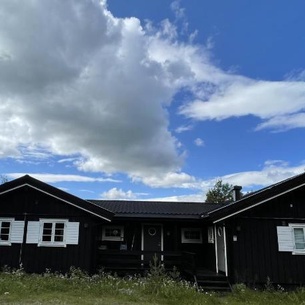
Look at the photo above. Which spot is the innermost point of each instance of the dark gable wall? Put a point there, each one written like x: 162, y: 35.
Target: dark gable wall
x: 254, y: 257
x: 31, y: 205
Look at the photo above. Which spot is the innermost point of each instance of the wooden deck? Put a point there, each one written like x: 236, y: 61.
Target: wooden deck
x: 121, y: 261
x: 124, y: 262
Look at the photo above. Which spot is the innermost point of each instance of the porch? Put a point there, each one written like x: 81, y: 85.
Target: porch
x: 124, y: 262
x: 130, y: 261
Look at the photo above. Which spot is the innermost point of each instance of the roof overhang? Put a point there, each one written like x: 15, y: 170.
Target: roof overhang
x: 58, y: 194
x: 250, y: 206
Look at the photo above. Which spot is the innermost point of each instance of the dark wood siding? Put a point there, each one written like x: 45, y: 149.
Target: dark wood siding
x: 254, y: 258
x: 29, y: 204
x: 204, y: 252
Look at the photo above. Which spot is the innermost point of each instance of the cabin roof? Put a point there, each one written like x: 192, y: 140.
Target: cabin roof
x: 157, y: 209
x: 28, y: 181
x: 256, y: 198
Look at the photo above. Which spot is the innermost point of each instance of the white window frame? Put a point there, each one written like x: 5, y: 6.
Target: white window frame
x: 6, y: 242
x: 52, y: 243
x: 113, y: 238
x: 185, y: 240
x: 297, y: 226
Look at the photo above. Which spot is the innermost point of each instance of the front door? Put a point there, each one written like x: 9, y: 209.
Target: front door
x: 220, y: 234
x: 152, y: 241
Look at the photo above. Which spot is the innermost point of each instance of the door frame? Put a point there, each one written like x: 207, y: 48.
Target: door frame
x: 217, y: 251
x: 142, y: 237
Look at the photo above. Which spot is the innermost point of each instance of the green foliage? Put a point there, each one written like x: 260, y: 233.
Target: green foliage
x: 157, y: 288
x: 220, y: 193
x: 3, y: 179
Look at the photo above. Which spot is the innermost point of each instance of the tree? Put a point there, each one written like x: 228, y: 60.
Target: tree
x: 3, y: 179
x: 220, y: 193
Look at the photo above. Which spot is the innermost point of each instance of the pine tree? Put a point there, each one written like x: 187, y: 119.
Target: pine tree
x: 220, y: 193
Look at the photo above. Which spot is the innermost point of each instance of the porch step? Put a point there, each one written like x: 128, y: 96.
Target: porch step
x: 217, y: 283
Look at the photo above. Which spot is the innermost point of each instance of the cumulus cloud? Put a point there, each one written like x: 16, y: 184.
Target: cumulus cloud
x: 199, y: 142
x: 273, y: 171
x: 170, y: 179
x: 81, y: 84
x: 116, y: 193
x: 75, y: 80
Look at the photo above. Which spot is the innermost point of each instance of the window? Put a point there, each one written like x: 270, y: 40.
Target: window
x: 191, y: 236
x: 292, y: 238
x: 5, y: 231
x: 52, y: 232
x: 298, y: 238
x: 114, y: 233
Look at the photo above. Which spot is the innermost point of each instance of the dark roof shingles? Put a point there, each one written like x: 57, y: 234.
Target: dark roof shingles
x: 133, y: 208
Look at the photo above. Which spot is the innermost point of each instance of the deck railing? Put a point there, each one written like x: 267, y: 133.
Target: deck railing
x: 189, y: 265
x: 124, y: 260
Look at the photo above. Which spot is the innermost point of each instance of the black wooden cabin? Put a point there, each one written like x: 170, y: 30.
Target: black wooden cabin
x: 174, y: 231
x: 265, y: 235
x: 256, y: 239
x: 43, y: 227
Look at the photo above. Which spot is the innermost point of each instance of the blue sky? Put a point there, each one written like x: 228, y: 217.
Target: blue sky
x: 152, y: 99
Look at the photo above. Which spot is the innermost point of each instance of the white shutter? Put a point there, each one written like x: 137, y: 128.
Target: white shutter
x: 17, y: 231
x: 72, y: 233
x: 32, y: 235
x: 285, y: 239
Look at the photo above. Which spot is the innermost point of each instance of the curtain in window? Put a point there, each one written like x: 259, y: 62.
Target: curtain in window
x: 299, y: 238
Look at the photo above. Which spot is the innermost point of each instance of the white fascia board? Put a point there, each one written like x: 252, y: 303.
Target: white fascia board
x: 258, y: 203
x: 68, y: 202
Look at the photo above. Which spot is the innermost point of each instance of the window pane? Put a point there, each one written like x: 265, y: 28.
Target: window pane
x: 47, y: 225
x: 59, y: 238
x: 113, y: 232
x: 5, y: 230
x: 46, y: 238
x: 47, y: 232
x: 192, y: 234
x: 299, y: 238
x: 59, y: 232
x: 59, y: 225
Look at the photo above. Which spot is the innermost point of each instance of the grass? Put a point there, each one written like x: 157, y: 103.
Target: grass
x: 156, y: 289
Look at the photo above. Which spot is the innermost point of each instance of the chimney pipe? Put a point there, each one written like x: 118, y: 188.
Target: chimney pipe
x: 236, y: 192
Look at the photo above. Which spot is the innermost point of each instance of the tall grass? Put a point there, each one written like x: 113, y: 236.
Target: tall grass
x: 77, y: 287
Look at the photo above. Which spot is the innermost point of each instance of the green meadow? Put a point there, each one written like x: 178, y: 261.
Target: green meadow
x: 157, y: 288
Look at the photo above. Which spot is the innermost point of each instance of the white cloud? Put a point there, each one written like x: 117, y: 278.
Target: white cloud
x: 184, y: 128
x: 199, y: 142
x: 272, y: 172
x: 236, y: 97
x: 199, y: 197
x: 54, y: 178
x: 284, y: 122
x: 168, y: 180
x: 76, y: 81
x: 116, y: 193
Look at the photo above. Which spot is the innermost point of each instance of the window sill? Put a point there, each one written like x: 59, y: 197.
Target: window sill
x: 5, y: 243
x: 58, y: 245
x: 298, y: 252
x: 191, y: 241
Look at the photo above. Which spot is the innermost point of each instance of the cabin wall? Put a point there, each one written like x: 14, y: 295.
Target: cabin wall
x: 27, y: 204
x: 254, y: 257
